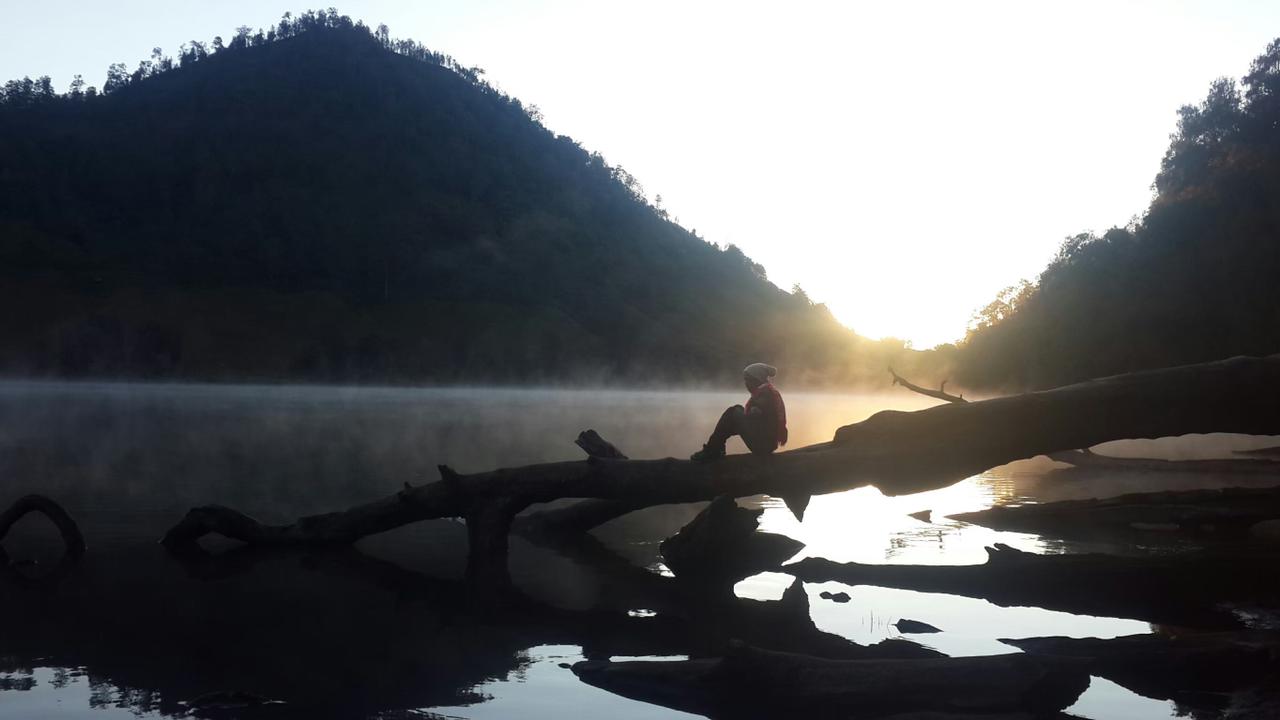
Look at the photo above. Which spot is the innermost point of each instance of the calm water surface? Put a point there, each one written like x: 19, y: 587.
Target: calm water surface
x: 383, y: 632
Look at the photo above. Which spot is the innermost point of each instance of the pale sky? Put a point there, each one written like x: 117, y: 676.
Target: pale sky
x: 902, y: 161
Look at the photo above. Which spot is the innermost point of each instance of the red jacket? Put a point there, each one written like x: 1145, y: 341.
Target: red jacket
x: 765, y: 397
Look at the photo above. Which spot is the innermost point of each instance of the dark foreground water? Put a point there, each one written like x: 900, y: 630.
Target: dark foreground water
x: 385, y: 630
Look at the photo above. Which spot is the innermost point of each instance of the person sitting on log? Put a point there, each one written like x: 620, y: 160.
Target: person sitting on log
x: 762, y: 423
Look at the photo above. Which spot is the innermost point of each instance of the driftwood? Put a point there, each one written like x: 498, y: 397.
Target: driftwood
x: 751, y: 683
x: 898, y: 452
x: 1227, y: 514
x: 1185, y: 590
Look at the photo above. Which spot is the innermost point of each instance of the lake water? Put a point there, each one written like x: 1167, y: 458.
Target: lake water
x: 383, y: 632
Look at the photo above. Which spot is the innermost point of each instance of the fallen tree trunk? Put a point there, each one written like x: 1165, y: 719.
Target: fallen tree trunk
x: 898, y: 452
x: 1264, y: 463
x: 1226, y: 513
x: 748, y: 682
x: 1184, y: 590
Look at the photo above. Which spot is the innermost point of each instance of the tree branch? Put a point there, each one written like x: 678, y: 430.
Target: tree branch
x: 941, y: 393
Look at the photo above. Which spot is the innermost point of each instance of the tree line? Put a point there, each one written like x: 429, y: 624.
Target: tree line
x: 318, y: 201
x: 1193, y: 279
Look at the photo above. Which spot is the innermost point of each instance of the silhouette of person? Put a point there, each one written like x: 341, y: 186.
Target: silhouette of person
x: 761, y: 423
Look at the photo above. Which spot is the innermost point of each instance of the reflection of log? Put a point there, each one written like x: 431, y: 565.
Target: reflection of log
x: 1171, y: 668
x: 899, y: 452
x: 1177, y: 590
x: 1266, y: 452
x: 714, y: 615
x: 1228, y: 512
x: 753, y: 683
x: 722, y: 545
x: 1091, y: 460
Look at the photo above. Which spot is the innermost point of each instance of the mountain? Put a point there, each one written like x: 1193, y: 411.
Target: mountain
x: 320, y: 202
x: 1196, y: 279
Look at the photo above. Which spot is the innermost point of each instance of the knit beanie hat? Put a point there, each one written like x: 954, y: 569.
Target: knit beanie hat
x: 759, y: 371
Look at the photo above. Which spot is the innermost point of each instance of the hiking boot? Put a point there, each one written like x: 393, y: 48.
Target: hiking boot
x: 708, y: 453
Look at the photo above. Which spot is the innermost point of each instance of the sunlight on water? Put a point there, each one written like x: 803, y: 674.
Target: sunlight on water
x: 865, y: 526
x: 1105, y: 700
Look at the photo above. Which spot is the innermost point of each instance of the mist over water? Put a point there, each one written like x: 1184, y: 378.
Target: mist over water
x: 128, y: 460
x: 281, y: 451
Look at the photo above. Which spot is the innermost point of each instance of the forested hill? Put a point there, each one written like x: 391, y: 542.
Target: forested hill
x: 1198, y: 278
x: 320, y: 202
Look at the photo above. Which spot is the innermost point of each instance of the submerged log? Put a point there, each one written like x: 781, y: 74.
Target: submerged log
x: 753, y: 683
x: 898, y: 452
x: 1183, y: 590
x: 1171, y: 667
x: 1223, y: 513
x: 72, y: 539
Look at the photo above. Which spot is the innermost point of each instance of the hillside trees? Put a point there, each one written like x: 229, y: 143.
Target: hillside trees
x: 1192, y: 280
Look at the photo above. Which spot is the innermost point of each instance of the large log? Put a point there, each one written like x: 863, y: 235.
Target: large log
x: 1264, y: 461
x: 898, y: 452
x: 1185, y: 590
x: 752, y: 683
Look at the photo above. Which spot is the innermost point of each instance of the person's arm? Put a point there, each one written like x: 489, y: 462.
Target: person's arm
x: 758, y: 405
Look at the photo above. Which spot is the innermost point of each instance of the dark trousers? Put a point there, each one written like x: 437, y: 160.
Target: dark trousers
x: 755, y: 429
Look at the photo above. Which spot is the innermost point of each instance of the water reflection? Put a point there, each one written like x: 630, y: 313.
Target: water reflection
x: 541, y: 687
x: 49, y: 692
x: 388, y: 631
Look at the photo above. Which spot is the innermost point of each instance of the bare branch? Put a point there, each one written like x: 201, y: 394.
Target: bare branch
x: 941, y: 393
